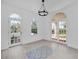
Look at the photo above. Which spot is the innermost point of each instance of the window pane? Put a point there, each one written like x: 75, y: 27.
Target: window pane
x: 15, y: 28
x: 34, y: 28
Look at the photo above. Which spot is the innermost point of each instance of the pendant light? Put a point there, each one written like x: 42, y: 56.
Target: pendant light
x: 42, y: 11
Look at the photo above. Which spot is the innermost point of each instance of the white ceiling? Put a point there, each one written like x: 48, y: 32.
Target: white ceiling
x: 34, y: 5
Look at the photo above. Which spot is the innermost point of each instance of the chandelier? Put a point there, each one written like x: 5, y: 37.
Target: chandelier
x: 42, y: 11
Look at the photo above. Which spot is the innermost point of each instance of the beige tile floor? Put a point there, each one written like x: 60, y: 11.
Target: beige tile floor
x: 59, y: 51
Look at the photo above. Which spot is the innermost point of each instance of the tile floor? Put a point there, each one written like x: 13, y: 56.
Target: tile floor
x: 59, y: 51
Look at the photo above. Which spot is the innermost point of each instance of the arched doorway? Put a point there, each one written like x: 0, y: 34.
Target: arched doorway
x: 60, y: 20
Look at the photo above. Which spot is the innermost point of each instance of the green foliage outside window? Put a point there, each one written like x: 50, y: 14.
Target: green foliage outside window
x: 34, y: 31
x: 34, y: 28
x: 62, y: 31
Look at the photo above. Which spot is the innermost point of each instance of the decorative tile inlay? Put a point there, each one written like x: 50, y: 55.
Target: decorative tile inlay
x: 39, y: 53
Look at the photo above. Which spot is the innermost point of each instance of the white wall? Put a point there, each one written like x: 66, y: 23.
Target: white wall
x: 4, y: 28
x: 72, y: 24
x: 27, y: 17
x: 71, y: 11
x: 44, y: 25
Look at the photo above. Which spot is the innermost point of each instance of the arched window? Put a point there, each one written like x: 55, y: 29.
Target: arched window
x: 15, y: 28
x: 60, y: 20
x: 62, y: 27
x: 33, y: 27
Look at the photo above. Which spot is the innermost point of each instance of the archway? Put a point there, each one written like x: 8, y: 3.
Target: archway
x: 59, y: 20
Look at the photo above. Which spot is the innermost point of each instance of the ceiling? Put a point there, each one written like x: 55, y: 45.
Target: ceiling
x: 34, y: 5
